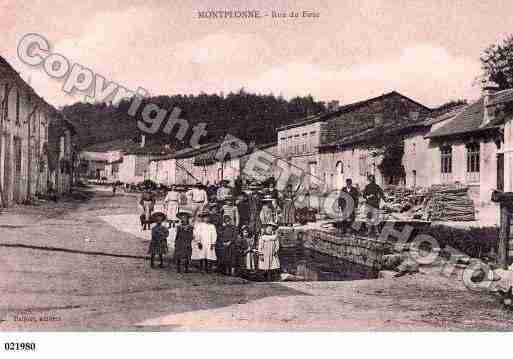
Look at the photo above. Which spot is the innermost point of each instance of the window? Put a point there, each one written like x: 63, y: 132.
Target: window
x: 311, y: 144
x: 446, y: 159
x: 473, y: 157
x: 6, y: 100
x: 141, y: 164
x: 378, y: 119
x: 17, y: 107
x: 304, y: 143
x: 473, y: 162
x: 363, y: 165
x: 283, y: 147
x: 296, y: 144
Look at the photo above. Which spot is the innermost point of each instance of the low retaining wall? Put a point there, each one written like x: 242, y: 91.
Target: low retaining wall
x: 359, y: 250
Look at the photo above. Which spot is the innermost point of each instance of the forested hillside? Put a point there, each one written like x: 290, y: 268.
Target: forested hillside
x: 251, y: 117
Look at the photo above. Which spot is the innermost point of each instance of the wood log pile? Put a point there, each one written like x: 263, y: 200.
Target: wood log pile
x: 400, y: 199
x: 448, y: 203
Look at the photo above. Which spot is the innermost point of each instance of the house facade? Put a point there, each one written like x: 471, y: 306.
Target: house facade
x: 468, y: 145
x: 327, y: 147
x: 298, y: 147
x: 224, y: 162
x: 32, y: 133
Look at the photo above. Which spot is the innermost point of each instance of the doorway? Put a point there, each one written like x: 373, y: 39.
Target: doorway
x: 500, y: 171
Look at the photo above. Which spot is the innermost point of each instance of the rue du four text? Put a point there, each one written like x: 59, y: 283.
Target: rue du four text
x: 305, y: 13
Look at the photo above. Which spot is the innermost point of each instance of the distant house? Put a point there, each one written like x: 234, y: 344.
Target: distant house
x: 135, y: 164
x: 103, y: 160
x: 225, y: 162
x: 177, y: 167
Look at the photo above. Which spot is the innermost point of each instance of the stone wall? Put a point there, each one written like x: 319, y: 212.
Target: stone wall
x: 390, y: 109
x: 355, y: 249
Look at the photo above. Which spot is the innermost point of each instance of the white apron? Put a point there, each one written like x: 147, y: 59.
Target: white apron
x: 268, y: 247
x: 171, y: 205
x: 206, y: 234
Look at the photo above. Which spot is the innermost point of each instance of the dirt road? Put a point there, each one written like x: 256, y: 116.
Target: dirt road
x: 78, y: 265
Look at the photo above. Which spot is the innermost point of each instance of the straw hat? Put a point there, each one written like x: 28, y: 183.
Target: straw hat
x: 157, y: 216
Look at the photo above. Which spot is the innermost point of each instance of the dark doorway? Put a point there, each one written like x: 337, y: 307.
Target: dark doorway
x: 500, y: 172
x: 7, y: 167
x: 17, y: 169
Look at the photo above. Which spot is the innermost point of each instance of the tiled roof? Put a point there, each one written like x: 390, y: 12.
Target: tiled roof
x: 7, y: 71
x: 209, y: 156
x: 185, y: 153
x: 444, y: 116
x: 469, y: 119
x: 375, y: 132
x: 344, y: 109
x: 151, y: 149
x: 502, y: 97
x: 115, y: 145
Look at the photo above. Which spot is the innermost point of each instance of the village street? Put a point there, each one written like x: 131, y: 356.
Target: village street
x: 79, y: 265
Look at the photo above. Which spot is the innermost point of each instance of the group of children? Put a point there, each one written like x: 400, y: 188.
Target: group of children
x: 232, y: 229
x: 232, y: 249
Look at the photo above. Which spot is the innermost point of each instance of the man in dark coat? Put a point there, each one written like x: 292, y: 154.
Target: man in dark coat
x: 183, y: 243
x: 349, y: 214
x: 373, y: 195
x: 244, y: 210
x: 224, y: 245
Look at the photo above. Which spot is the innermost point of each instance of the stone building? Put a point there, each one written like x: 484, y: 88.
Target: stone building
x: 103, y: 160
x: 225, y: 162
x: 325, y: 147
x: 28, y: 130
x: 473, y: 148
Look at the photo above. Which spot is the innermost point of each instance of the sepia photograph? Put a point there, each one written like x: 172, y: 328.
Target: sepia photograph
x: 255, y: 166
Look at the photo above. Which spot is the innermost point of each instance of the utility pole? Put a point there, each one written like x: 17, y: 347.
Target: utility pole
x: 505, y: 200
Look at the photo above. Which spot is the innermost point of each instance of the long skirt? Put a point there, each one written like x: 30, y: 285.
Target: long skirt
x: 157, y: 247
x: 251, y: 260
x: 268, y: 247
x: 289, y: 212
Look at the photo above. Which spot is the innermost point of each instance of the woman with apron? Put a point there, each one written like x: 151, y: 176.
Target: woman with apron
x: 171, y: 204
x: 147, y: 203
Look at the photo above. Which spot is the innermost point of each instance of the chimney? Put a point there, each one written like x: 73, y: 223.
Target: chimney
x: 489, y: 88
x: 143, y: 140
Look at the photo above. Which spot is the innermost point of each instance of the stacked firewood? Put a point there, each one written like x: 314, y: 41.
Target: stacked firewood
x: 448, y: 203
x: 400, y: 199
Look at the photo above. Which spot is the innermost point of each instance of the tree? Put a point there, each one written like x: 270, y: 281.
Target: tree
x: 497, y: 61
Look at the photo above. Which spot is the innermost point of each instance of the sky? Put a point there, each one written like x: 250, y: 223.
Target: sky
x: 427, y: 50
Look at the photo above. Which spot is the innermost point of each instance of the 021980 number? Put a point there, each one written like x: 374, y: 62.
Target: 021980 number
x: 19, y: 346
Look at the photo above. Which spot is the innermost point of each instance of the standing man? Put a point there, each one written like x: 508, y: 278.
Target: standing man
x: 243, y: 209
x: 373, y: 195
x: 198, y: 199
x: 349, y: 214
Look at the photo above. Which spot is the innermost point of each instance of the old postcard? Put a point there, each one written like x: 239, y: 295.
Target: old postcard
x: 256, y: 166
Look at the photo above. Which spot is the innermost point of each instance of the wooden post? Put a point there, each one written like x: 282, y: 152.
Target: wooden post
x: 503, y: 245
